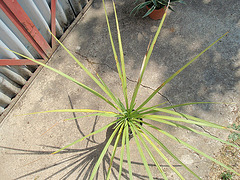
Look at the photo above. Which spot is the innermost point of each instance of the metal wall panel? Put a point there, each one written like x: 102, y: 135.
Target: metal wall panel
x: 13, y: 78
x: 44, y: 9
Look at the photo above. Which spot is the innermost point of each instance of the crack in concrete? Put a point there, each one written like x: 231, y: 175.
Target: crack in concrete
x: 145, y: 86
x: 148, y: 87
x: 206, y: 131
x: 92, y: 62
x: 104, y: 64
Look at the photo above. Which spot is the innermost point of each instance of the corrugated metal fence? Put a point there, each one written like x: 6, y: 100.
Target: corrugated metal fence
x: 13, y: 78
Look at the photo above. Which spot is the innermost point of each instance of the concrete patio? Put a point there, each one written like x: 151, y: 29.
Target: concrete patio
x: 25, y: 143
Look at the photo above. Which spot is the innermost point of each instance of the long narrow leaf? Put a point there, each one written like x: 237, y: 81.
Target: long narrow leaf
x: 146, y: 60
x: 121, y: 105
x: 117, y: 101
x: 68, y: 77
x: 190, y: 103
x: 76, y: 110
x: 79, y: 140
x: 94, y: 171
x: 194, y: 149
x: 107, y: 91
x: 150, y: 108
x: 163, y: 156
x: 140, y: 6
x: 139, y: 80
x: 141, y: 153
x: 154, y: 2
x: 189, y: 117
x: 95, y: 114
x: 150, y: 153
x: 202, y: 133
x: 124, y: 85
x: 169, y: 152
x: 112, y: 44
x: 162, y: 119
x: 122, y: 151
x: 149, y: 11
x: 128, y: 153
x: 177, y: 72
x: 114, y: 150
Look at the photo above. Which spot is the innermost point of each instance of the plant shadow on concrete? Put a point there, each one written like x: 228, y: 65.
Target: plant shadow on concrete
x: 81, y: 161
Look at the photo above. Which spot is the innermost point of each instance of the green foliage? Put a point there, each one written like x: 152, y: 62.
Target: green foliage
x: 235, y: 136
x: 226, y: 176
x: 155, y: 4
x: 126, y: 119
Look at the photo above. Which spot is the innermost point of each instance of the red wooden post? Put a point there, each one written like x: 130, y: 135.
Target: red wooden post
x: 21, y: 20
x: 18, y: 62
x: 53, y: 21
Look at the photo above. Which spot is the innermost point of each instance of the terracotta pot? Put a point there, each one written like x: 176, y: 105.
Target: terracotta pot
x: 157, y: 13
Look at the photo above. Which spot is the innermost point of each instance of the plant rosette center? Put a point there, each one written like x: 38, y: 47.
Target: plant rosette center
x: 131, y: 118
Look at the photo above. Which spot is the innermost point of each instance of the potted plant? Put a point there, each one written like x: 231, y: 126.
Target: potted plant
x: 156, y: 8
x: 129, y: 119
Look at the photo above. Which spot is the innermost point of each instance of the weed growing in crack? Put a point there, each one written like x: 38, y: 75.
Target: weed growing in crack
x: 234, y: 136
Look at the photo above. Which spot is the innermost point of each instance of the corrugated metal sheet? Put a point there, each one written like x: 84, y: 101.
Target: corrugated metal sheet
x: 13, y: 78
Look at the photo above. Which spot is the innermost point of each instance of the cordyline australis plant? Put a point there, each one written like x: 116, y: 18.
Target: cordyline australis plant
x: 128, y: 118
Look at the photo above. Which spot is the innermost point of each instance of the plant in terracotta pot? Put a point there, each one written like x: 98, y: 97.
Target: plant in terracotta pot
x: 156, y: 8
x: 139, y: 121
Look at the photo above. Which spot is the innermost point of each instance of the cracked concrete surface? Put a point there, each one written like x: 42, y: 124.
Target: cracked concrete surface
x: 26, y: 141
